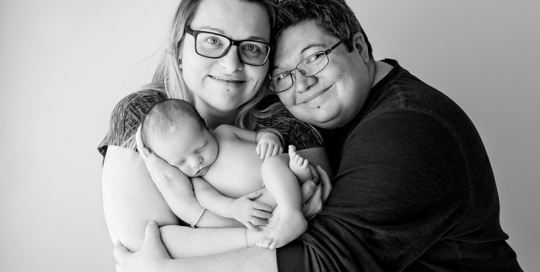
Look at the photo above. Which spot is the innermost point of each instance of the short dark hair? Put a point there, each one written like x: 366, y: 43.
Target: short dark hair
x: 334, y: 16
x: 164, y: 114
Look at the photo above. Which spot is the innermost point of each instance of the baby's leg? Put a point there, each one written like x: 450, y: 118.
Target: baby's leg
x: 298, y: 165
x: 284, y: 187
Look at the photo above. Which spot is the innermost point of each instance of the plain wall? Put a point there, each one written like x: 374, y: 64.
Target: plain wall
x: 65, y: 64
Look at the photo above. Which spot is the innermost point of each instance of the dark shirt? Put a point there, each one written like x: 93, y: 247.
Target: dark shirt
x: 414, y: 190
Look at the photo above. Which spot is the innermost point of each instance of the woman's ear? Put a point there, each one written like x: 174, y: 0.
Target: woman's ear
x: 360, y: 46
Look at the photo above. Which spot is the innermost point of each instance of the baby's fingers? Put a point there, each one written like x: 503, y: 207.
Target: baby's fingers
x: 261, y: 207
x: 249, y: 226
x: 261, y: 214
x: 263, y: 149
x: 255, y: 222
x: 253, y: 195
x: 277, y: 150
x: 269, y: 151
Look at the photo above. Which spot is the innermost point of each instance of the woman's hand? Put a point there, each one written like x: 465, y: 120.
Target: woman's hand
x: 152, y: 257
x: 315, y: 193
x: 160, y: 171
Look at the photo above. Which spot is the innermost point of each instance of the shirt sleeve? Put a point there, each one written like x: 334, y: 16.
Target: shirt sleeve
x: 402, y: 184
x: 126, y: 117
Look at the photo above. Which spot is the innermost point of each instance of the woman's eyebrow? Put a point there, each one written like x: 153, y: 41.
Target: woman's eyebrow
x: 213, y: 29
x: 309, y: 46
x: 220, y: 31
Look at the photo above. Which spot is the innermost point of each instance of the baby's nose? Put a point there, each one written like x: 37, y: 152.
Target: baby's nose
x: 197, y: 163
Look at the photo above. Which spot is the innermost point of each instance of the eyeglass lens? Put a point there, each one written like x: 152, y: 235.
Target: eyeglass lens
x: 215, y: 46
x: 307, y: 67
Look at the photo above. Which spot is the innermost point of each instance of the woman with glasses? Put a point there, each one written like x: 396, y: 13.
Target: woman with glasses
x: 217, y: 60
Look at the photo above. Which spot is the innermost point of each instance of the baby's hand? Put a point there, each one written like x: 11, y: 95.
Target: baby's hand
x: 268, y: 146
x: 249, y: 212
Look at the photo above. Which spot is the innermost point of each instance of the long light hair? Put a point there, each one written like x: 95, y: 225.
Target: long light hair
x: 168, y: 76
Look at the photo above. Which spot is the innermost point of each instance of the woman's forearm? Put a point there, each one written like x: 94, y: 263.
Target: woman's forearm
x: 251, y: 259
x: 182, y: 242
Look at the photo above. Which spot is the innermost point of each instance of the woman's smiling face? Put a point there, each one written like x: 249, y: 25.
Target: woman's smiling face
x: 222, y: 85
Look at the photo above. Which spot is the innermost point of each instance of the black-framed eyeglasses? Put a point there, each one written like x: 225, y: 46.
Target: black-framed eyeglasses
x: 309, y: 66
x: 215, y: 46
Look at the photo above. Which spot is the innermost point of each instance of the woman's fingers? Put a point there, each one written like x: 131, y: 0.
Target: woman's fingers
x: 314, y: 205
x: 318, y: 188
x: 326, y: 184
x: 308, y: 188
x: 152, y: 235
x: 120, y: 254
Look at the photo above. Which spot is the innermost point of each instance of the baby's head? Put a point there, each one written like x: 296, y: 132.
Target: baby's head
x: 174, y: 130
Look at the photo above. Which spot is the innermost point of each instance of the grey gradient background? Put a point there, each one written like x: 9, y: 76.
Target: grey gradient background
x: 64, y: 64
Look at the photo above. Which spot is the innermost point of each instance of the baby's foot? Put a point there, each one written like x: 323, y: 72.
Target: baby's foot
x: 289, y: 227
x: 298, y: 165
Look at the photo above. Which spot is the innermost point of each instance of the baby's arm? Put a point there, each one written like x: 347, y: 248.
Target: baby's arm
x: 179, y: 195
x: 243, y: 209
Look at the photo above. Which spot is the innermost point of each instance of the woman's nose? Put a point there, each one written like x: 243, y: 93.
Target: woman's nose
x: 303, y: 83
x: 231, y: 61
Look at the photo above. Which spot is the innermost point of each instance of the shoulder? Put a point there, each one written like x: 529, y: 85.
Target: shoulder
x: 139, y: 101
x: 127, y: 116
x: 134, y: 106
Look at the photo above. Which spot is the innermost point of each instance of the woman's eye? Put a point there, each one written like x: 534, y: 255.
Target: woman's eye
x: 252, y: 48
x: 314, y: 57
x: 212, y: 40
x: 282, y: 76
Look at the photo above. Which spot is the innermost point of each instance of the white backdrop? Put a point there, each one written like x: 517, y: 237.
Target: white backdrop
x: 64, y: 65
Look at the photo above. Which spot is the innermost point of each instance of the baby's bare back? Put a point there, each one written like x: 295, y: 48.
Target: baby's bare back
x: 237, y: 169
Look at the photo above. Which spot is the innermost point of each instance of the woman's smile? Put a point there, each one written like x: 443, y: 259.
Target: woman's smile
x: 228, y: 80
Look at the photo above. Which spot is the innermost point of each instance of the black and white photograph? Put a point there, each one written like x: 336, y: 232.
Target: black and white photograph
x: 269, y: 135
